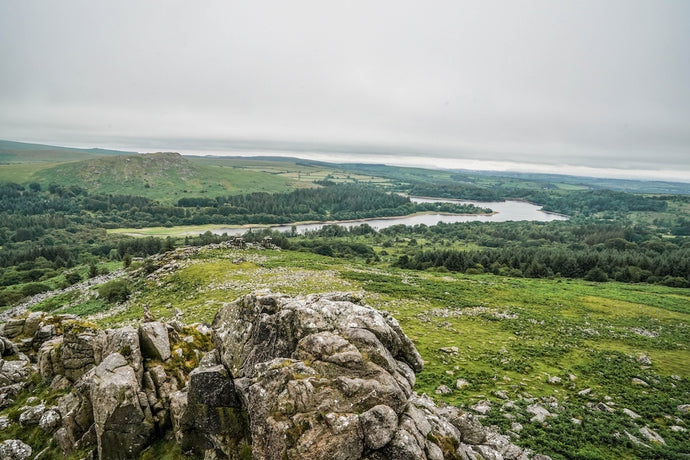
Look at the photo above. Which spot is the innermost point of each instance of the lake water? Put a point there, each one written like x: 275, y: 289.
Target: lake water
x: 505, y: 211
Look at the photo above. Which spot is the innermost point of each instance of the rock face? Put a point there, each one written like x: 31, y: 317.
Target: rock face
x: 324, y: 377
x: 316, y: 377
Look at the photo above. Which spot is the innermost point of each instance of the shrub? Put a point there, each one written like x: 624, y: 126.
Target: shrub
x: 34, y: 288
x: 115, y: 291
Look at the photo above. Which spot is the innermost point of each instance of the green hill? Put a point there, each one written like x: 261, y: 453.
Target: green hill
x: 162, y: 176
x: 20, y: 152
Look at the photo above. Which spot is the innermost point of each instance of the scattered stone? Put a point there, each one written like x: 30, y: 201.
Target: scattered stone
x: 644, y: 332
x: 516, y: 427
x: 576, y: 421
x: 443, y: 390
x: 684, y: 408
x: 652, y: 435
x: 644, y: 360
x: 678, y: 429
x: 604, y: 407
x: 635, y: 440
x: 630, y: 413
x: 636, y: 381
x: 501, y: 394
x: 4, y: 422
x: 50, y: 420
x: 482, y: 407
x: 584, y: 392
x: 461, y: 383
x: 449, y: 350
x: 14, y: 449
x: 31, y: 415
x: 554, y: 380
x: 540, y: 413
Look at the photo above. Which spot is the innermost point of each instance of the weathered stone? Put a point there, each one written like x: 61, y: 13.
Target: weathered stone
x: 636, y: 381
x: 13, y: 328
x: 540, y: 413
x: 154, y: 340
x: 652, y: 435
x: 630, y: 413
x: 79, y: 351
x: 443, y: 390
x: 461, y: 383
x: 471, y: 431
x: 684, y: 408
x: 14, y: 449
x: 31, y: 415
x: 50, y: 420
x: 482, y: 407
x: 122, y: 428
x: 378, y: 425
x: 4, y: 422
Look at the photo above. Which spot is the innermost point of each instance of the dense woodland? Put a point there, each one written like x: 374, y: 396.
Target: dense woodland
x: 44, y: 231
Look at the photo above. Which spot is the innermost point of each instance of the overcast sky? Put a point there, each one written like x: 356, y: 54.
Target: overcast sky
x: 571, y: 85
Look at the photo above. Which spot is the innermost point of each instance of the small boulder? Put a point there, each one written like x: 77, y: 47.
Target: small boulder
x: 32, y: 414
x: 482, y: 407
x: 50, y: 420
x: 461, y: 383
x: 14, y: 449
x: 443, y: 390
x: 652, y: 435
x: 540, y: 414
x: 636, y: 381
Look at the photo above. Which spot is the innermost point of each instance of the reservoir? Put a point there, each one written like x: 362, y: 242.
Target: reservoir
x: 504, y: 211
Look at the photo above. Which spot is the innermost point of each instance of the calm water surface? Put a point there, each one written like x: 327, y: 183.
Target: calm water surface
x: 505, y: 211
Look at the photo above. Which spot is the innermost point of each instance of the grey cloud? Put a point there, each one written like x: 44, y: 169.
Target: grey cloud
x: 599, y: 84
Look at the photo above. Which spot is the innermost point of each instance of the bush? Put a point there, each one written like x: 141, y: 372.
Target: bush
x: 34, y: 288
x: 115, y: 291
x: 9, y: 298
x: 73, y: 277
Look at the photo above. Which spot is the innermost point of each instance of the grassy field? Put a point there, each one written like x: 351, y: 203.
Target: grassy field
x: 567, y: 345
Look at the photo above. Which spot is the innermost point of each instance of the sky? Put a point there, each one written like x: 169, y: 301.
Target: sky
x: 585, y: 87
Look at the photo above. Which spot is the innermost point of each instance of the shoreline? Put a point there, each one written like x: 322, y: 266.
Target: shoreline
x: 216, y: 227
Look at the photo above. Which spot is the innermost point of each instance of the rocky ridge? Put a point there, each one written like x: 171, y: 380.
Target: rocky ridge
x: 316, y: 377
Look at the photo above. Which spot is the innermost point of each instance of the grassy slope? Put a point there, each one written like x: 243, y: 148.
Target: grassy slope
x: 161, y: 176
x: 511, y: 334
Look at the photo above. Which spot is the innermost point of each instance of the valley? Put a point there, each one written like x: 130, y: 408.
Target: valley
x: 570, y: 337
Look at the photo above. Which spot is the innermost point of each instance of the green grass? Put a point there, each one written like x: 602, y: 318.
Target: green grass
x: 511, y: 335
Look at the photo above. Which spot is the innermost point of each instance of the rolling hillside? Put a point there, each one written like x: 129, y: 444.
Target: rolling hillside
x: 162, y: 176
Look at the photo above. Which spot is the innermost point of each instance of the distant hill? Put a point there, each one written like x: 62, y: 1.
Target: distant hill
x: 163, y: 176
x: 20, y: 152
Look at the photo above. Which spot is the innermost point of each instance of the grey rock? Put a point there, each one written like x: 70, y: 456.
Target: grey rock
x: 461, y: 383
x: 684, y: 408
x: 5, y: 422
x: 155, y: 342
x: 378, y: 425
x: 14, y: 449
x: 471, y: 431
x: 652, y: 435
x: 50, y: 420
x: 121, y: 423
x: 482, y: 407
x: 636, y: 381
x: 31, y: 415
x: 539, y: 413
x: 630, y: 413
x: 443, y: 390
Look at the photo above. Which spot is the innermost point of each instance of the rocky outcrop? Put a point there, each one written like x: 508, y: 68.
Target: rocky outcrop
x: 316, y: 377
